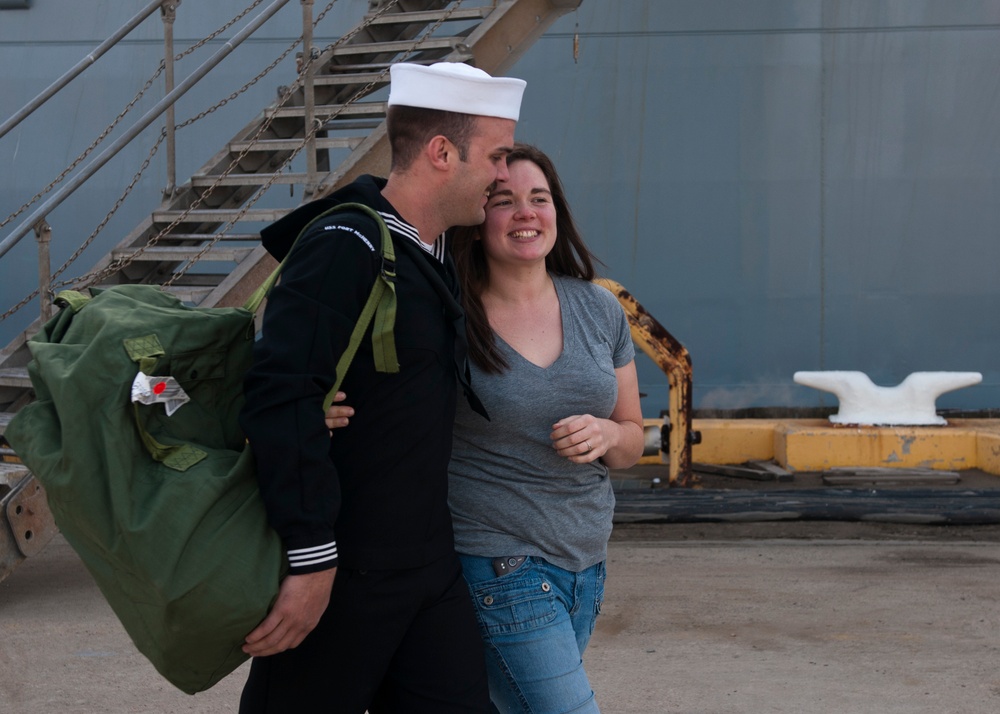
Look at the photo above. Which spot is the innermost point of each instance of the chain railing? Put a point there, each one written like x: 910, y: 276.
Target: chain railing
x: 312, y: 126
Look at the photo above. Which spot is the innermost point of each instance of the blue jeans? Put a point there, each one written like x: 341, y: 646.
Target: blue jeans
x: 536, y: 622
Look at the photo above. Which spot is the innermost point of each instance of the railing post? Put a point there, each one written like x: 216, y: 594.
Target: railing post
x: 43, y: 234
x: 169, y: 13
x: 309, y: 96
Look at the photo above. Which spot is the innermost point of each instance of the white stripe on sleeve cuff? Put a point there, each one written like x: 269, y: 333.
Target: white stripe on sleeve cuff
x: 302, y: 557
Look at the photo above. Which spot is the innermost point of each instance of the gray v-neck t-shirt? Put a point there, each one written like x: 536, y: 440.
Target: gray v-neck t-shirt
x: 510, y: 493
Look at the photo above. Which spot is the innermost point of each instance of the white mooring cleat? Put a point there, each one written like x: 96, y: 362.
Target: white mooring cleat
x: 911, y: 402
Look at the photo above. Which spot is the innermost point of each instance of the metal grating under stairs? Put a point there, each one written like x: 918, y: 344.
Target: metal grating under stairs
x: 202, y: 242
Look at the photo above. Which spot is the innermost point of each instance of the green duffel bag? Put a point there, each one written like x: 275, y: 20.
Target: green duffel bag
x: 164, y: 511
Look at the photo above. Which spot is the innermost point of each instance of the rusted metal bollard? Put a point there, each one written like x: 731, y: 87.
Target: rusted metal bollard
x: 673, y: 358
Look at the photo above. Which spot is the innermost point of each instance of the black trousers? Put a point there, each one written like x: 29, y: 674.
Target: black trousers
x: 390, y: 642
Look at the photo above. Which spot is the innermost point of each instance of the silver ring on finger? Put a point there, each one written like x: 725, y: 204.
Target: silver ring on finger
x: 589, y: 448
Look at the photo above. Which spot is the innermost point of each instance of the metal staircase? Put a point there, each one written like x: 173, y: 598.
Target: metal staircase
x: 202, y: 242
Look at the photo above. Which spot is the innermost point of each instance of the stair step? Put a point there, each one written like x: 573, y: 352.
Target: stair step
x: 159, y: 254
x: 348, y: 79
x: 295, y: 179
x: 428, y: 16
x: 346, y: 142
x: 192, y: 294
x: 11, y: 474
x: 5, y: 418
x: 341, y: 124
x: 379, y: 48
x: 220, y: 215
x: 365, y: 109
x: 14, y: 377
x: 199, y: 280
x: 371, y: 66
x: 201, y: 237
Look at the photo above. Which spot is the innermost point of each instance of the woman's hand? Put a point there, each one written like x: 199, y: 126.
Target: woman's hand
x: 581, y: 438
x: 617, y: 441
x: 338, y: 415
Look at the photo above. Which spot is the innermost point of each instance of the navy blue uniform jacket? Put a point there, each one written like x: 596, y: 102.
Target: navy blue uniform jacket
x: 374, y: 494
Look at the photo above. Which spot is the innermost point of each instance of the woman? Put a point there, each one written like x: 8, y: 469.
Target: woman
x: 531, y: 501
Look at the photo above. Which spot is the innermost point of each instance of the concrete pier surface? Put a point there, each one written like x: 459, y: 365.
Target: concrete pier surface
x: 707, y: 618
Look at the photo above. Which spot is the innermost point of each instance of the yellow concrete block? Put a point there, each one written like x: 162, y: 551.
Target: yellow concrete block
x: 988, y: 452
x: 734, y: 441
x: 818, y: 446
x: 987, y: 442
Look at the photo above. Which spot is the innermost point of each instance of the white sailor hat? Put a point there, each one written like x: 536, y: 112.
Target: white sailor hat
x: 455, y: 87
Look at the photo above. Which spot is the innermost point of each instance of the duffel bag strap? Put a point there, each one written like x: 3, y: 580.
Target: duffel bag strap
x: 72, y: 299
x: 380, y: 306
